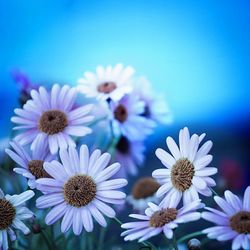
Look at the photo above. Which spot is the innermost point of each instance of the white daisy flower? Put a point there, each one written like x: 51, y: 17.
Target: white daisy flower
x: 143, y: 192
x: 12, y: 213
x: 159, y: 219
x: 79, y: 189
x: 130, y: 154
x: 127, y: 118
x: 110, y: 82
x: 31, y: 165
x: 156, y: 107
x: 233, y: 222
x: 186, y: 173
x: 51, y: 118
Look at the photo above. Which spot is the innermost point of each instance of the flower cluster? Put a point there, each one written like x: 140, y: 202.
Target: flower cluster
x: 77, y: 184
x: 185, y: 177
x: 134, y: 110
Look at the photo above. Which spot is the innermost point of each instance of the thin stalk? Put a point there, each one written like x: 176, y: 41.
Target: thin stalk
x: 49, y: 244
x: 189, y: 236
x: 101, y: 238
x: 214, y: 192
x: 117, y: 220
x: 89, y: 242
x: 149, y: 244
x: 175, y: 242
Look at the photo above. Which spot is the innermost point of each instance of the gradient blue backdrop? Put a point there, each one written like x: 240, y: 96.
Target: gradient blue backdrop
x: 195, y: 52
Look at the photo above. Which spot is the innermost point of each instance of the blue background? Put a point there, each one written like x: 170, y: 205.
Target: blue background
x: 195, y: 52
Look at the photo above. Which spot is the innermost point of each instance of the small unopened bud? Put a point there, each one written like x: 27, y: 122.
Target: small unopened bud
x: 194, y: 244
x: 36, y: 228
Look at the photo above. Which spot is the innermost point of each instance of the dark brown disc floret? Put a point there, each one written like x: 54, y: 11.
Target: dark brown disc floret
x: 106, y: 87
x: 240, y: 222
x: 182, y: 174
x: 52, y: 122
x: 7, y: 214
x: 79, y: 190
x: 162, y: 217
x: 145, y: 187
x: 36, y: 169
x: 121, y: 113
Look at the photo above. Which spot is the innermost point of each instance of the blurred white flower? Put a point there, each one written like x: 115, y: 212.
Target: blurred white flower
x: 130, y: 154
x: 143, y: 192
x: 127, y: 118
x: 110, y: 82
x: 156, y: 107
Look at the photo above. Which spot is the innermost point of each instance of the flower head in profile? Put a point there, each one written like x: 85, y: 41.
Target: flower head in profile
x: 31, y: 165
x: 156, y: 107
x: 127, y: 117
x: 143, y: 192
x: 110, y: 82
x: 79, y: 189
x: 51, y: 118
x: 25, y: 85
x: 186, y: 173
x: 12, y: 213
x: 233, y: 222
x: 130, y: 154
x: 159, y: 219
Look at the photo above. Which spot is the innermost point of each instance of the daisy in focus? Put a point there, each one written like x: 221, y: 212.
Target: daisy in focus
x: 186, y: 173
x: 31, y: 165
x: 127, y: 117
x: 156, y: 107
x: 79, y: 189
x: 130, y: 154
x: 110, y: 82
x: 159, y: 219
x: 51, y: 118
x: 143, y: 192
x: 233, y: 222
x: 12, y: 213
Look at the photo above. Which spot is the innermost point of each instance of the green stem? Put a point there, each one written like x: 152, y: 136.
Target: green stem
x: 186, y: 237
x: 149, y: 244
x: 49, y: 244
x: 214, y: 192
x: 101, y: 238
x: 117, y: 220
x: 175, y: 242
x: 89, y: 242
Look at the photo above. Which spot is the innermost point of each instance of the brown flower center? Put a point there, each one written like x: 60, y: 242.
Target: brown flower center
x: 162, y: 217
x: 121, y: 113
x: 36, y: 168
x: 145, y: 187
x: 7, y: 214
x: 106, y: 87
x: 182, y: 174
x: 240, y: 222
x: 79, y: 190
x: 123, y: 145
x: 52, y: 122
